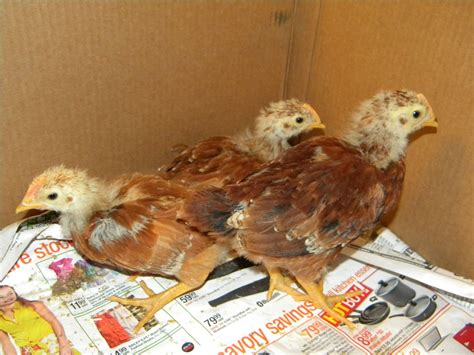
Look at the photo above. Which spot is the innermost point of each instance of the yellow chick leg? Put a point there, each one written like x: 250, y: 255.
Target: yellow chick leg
x: 281, y: 283
x: 319, y: 299
x: 193, y: 274
x: 154, y: 302
x: 332, y: 300
x: 132, y: 278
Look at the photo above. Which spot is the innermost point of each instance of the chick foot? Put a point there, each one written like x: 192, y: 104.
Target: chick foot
x: 332, y: 300
x: 154, y: 302
x: 281, y: 283
x: 319, y: 299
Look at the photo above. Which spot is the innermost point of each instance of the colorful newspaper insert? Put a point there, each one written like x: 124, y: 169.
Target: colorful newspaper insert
x: 229, y: 314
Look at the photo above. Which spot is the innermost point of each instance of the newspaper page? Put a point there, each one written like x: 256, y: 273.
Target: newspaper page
x: 391, y: 253
x: 230, y: 313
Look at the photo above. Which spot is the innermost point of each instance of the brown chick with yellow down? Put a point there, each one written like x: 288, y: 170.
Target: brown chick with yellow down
x: 130, y: 224
x: 298, y: 211
x: 219, y: 161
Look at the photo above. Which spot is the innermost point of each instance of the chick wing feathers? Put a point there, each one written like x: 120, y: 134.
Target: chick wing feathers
x: 215, y: 161
x: 141, y: 233
x: 317, y: 196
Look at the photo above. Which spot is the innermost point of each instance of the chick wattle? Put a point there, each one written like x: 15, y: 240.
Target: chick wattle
x: 298, y: 211
x: 219, y: 161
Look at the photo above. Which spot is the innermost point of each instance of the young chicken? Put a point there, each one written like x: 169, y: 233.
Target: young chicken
x: 298, y: 211
x: 219, y: 161
x: 129, y: 224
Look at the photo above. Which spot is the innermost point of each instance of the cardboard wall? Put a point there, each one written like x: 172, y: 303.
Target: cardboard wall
x: 111, y: 85
x: 364, y: 46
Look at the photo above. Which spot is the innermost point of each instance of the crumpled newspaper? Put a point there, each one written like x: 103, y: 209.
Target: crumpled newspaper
x: 15, y: 238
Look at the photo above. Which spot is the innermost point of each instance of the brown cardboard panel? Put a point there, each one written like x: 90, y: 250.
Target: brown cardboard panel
x: 112, y: 85
x: 364, y: 46
x: 301, y: 48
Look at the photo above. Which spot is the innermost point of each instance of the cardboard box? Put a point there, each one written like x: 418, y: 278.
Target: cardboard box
x: 111, y: 85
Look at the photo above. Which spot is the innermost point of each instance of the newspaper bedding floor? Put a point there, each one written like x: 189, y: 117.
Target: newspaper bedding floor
x: 230, y: 315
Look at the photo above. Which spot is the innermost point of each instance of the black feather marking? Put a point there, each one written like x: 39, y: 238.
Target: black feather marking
x: 208, y: 210
x: 330, y: 226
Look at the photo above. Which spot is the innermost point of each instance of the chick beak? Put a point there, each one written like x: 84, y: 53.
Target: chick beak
x: 26, y: 205
x: 432, y: 122
x: 319, y: 125
x: 29, y: 201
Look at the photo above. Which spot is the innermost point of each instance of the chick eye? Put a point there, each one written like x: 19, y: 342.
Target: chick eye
x: 416, y: 114
x: 299, y: 119
x: 53, y: 196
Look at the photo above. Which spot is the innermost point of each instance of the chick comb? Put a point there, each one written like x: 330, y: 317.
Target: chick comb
x: 35, y: 186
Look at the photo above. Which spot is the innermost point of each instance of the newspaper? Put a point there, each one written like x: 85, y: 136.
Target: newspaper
x: 391, y: 253
x: 230, y: 313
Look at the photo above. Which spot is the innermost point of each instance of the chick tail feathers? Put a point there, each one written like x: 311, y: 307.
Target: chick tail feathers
x: 208, y: 210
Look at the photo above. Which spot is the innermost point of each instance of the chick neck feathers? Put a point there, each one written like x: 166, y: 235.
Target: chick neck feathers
x: 373, y: 129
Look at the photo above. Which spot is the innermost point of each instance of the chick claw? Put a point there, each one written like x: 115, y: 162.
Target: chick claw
x: 154, y: 302
x: 320, y: 300
x: 146, y: 289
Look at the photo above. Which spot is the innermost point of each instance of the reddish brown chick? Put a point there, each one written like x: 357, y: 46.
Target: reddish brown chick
x: 298, y: 211
x: 130, y: 224
x: 219, y: 161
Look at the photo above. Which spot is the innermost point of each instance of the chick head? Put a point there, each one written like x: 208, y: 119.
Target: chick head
x: 58, y: 189
x: 287, y: 119
x: 382, y: 124
x: 402, y: 112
